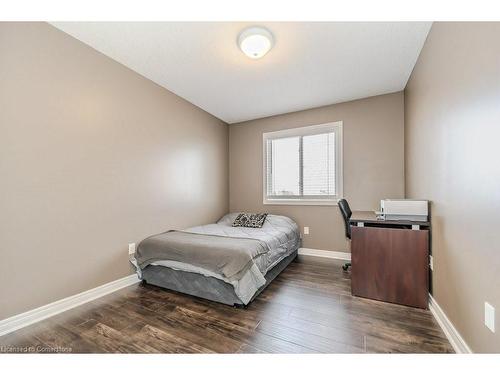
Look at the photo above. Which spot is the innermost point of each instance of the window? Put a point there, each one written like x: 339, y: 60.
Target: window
x: 303, y: 165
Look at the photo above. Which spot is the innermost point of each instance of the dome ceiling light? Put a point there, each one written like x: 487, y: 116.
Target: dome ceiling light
x: 255, y: 42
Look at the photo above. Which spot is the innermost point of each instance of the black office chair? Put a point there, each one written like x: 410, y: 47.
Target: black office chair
x: 346, y: 212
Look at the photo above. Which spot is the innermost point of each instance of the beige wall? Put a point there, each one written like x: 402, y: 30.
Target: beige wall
x: 92, y: 156
x: 373, y: 132
x: 452, y: 112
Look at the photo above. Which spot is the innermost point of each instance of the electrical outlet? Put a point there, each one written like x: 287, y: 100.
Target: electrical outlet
x: 131, y: 248
x: 306, y: 230
x: 489, y: 316
x: 431, y: 262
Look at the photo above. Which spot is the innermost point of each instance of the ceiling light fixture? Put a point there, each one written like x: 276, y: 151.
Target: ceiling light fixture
x: 255, y: 42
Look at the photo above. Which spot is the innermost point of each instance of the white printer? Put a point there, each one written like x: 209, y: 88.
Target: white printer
x: 404, y: 209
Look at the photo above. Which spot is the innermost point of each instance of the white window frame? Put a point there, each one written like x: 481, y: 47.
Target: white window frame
x: 336, y: 127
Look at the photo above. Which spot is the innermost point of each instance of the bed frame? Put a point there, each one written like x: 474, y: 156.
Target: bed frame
x: 205, y: 286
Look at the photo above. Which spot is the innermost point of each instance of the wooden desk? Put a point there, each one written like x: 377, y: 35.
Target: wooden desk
x: 390, y: 259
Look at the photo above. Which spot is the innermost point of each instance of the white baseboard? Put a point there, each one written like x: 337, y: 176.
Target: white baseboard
x: 27, y: 318
x: 456, y: 341
x: 325, y: 253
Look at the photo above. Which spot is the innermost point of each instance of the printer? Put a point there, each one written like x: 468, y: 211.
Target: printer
x: 404, y: 209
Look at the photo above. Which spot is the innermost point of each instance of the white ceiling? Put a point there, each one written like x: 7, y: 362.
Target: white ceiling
x: 312, y: 64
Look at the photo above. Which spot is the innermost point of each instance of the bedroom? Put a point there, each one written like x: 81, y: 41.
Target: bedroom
x: 134, y: 154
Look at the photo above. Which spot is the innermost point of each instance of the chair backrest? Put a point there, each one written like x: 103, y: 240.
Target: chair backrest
x: 346, y: 214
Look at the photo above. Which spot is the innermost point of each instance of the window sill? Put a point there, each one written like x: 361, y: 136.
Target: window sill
x: 301, y: 202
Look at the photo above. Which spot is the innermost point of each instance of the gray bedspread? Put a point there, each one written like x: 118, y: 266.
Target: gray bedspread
x: 227, y: 256
x: 237, y: 255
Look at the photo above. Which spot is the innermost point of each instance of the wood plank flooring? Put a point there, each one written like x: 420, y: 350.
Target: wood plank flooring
x: 308, y: 308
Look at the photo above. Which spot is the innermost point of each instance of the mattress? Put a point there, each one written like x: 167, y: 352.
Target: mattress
x: 205, y: 287
x: 280, y: 234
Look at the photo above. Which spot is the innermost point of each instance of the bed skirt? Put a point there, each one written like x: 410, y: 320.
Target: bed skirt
x: 205, y: 286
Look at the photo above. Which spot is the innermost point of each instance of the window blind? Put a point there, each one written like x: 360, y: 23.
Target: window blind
x: 302, y: 166
x: 318, y: 165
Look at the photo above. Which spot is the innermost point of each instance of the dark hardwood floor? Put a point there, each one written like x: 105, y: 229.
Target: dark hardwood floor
x: 307, y: 309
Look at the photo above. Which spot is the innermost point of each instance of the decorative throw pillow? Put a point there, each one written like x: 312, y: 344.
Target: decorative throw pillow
x: 249, y: 220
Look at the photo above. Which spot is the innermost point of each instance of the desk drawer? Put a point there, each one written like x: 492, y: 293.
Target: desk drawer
x: 391, y: 265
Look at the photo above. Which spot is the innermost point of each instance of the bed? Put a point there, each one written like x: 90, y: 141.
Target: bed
x: 219, y: 262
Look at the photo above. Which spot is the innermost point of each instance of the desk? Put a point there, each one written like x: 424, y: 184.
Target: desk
x: 390, y: 259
